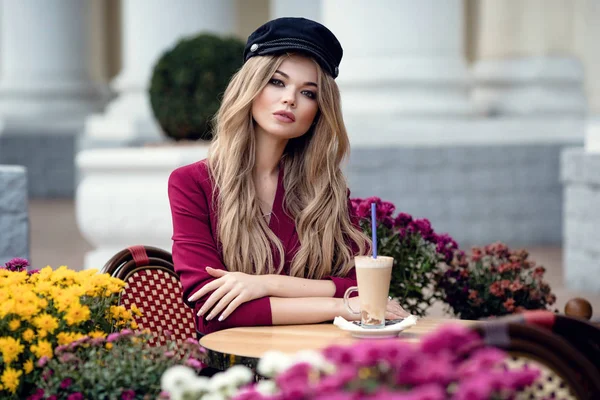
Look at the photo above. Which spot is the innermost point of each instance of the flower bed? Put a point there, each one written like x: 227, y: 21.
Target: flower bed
x: 452, y: 363
x: 493, y: 281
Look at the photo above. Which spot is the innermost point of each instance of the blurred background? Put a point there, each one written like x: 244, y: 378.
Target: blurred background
x: 481, y: 115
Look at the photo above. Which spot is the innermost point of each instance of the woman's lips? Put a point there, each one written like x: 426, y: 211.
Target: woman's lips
x: 284, y: 116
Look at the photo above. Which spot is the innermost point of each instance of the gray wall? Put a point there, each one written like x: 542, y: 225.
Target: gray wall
x: 48, y: 155
x: 478, y: 194
x: 581, y: 177
x: 14, y: 219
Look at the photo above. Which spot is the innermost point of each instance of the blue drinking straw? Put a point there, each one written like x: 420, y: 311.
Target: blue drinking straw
x: 374, y: 229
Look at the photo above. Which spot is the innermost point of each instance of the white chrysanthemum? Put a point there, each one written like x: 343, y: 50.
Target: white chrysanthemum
x: 214, y: 396
x: 266, y: 388
x: 239, y: 375
x: 176, y: 379
x: 314, y: 358
x: 218, y: 382
x: 273, y: 362
x: 198, y: 386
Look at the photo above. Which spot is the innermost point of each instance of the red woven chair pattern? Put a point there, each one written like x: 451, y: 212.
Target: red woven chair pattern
x: 158, y: 295
x: 154, y: 288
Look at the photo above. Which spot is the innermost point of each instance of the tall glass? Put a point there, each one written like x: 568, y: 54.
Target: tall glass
x: 373, y: 276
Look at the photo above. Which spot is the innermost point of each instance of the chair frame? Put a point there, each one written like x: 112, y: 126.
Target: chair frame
x: 124, y: 263
x: 549, y: 348
x: 127, y: 262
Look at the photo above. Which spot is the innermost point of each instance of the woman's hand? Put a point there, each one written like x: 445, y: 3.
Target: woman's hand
x: 393, y: 310
x: 231, y: 289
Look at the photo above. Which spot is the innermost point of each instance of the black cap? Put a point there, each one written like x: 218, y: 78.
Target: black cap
x: 302, y: 35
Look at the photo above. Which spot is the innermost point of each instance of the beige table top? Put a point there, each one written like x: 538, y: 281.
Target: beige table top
x: 253, y: 342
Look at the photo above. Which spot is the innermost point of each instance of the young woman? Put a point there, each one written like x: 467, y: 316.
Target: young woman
x: 261, y: 229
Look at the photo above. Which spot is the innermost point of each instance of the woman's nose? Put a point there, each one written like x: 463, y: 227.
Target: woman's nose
x: 289, y: 98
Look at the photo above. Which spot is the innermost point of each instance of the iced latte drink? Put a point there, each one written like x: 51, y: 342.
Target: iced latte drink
x: 373, y: 276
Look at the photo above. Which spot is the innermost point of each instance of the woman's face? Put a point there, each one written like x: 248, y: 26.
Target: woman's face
x: 287, y: 106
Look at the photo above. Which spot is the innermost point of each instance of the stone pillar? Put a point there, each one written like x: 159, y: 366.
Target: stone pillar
x: 148, y: 29
x: 46, y: 89
x: 14, y: 215
x: 44, y: 62
x: 310, y: 9
x: 403, y: 60
x: 589, y: 31
x: 526, y: 64
x: 580, y: 167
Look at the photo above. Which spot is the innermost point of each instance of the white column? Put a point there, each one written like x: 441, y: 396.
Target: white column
x: 149, y: 28
x: 589, y: 50
x: 526, y: 64
x: 44, y: 61
x: 403, y: 60
x: 310, y: 9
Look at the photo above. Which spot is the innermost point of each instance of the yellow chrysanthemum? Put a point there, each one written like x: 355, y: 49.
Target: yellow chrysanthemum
x: 3, y: 295
x: 7, y: 307
x: 135, y: 310
x: 77, y: 314
x: 15, y: 278
x: 10, y: 349
x: 68, y: 337
x: 109, y: 346
x: 134, y: 325
x: 42, y: 333
x: 97, y: 334
x: 28, y: 335
x: 28, y: 366
x: 43, y: 348
x: 14, y: 325
x: 63, y: 303
x: 45, y: 322
x: 10, y: 379
x: 43, y: 287
x: 27, y: 307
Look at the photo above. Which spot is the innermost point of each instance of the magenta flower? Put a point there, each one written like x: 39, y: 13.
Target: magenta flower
x: 75, y: 396
x: 196, y: 364
x: 450, y: 337
x: 293, y: 382
x: 42, y: 361
x: 402, y: 220
x: 66, y: 383
x: 38, y: 395
x: 17, y: 264
x: 425, y: 392
x: 128, y: 395
x: 339, y: 354
x: 331, y: 383
x: 113, y: 336
x: 486, y: 358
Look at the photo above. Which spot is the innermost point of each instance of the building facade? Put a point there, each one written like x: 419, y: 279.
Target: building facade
x: 457, y: 110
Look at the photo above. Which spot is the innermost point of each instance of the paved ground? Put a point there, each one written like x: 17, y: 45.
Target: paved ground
x: 56, y: 240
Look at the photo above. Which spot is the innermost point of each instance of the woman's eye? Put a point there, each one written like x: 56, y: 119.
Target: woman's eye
x: 309, y: 94
x: 276, y: 82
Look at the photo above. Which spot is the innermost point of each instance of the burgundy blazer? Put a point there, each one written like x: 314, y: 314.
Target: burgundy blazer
x: 195, y: 245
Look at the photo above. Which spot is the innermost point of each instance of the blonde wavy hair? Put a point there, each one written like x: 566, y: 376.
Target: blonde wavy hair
x: 315, y: 188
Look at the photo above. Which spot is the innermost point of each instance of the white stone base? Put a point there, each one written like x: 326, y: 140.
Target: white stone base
x: 127, y: 119
x: 529, y: 86
x: 397, y: 130
x: 592, y: 135
x: 122, y: 198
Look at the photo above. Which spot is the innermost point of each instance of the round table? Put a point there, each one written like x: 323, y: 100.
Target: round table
x: 246, y: 345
